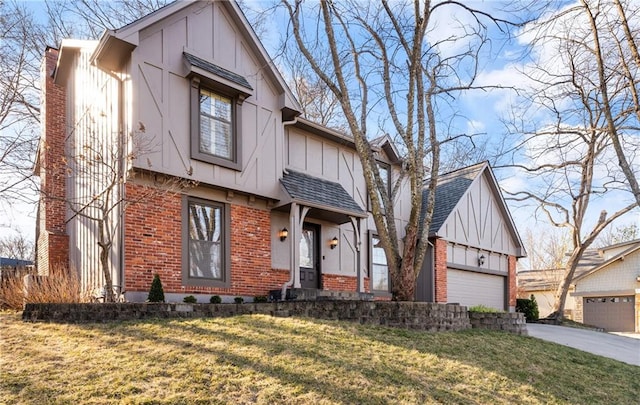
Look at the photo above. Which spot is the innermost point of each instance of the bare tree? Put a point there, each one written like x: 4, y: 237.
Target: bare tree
x: 620, y: 234
x: 16, y: 247
x: 384, y: 62
x: 566, y: 141
x: 547, y: 249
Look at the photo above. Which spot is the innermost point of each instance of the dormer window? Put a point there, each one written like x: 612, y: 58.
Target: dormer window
x: 216, y: 106
x: 217, y: 132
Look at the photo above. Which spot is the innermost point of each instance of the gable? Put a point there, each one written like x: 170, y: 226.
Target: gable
x: 618, y: 274
x: 470, y: 211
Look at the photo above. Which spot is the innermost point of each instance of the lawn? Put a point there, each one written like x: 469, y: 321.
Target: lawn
x: 260, y: 359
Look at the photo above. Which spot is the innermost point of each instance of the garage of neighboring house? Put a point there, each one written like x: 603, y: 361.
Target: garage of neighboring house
x: 474, y: 243
x: 614, y: 314
x: 609, y: 294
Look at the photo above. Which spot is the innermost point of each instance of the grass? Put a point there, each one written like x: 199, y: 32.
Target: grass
x: 260, y: 359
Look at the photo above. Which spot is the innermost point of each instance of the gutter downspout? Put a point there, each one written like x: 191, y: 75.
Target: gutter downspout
x: 284, y: 148
x: 433, y: 270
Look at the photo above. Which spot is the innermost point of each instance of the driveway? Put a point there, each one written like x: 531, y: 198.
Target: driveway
x: 621, y: 348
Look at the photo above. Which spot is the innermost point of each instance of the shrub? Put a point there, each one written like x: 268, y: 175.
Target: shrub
x: 260, y: 298
x: 483, y: 308
x: 238, y: 300
x: 156, y: 293
x: 190, y: 299
x: 215, y: 299
x: 61, y: 286
x: 529, y: 307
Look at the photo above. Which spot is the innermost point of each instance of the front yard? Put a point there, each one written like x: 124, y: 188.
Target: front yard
x: 260, y: 359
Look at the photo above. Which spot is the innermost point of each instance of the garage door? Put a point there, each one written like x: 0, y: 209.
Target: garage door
x: 614, y: 314
x: 469, y: 288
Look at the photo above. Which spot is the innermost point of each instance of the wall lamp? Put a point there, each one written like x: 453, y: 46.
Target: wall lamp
x: 333, y: 243
x: 481, y: 260
x: 284, y: 232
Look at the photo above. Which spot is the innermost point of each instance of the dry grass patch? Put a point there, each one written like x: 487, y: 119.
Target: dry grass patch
x: 259, y: 359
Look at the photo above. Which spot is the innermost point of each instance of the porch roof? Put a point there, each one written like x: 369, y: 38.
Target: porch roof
x: 330, y: 200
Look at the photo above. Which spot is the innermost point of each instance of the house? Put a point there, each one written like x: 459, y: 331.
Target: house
x: 274, y: 203
x: 474, y: 243
x: 543, y: 284
x: 608, y: 295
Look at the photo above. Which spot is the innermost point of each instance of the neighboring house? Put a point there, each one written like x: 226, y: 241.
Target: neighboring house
x: 543, y: 284
x: 14, y: 267
x: 189, y: 92
x: 608, y: 296
x: 475, y: 243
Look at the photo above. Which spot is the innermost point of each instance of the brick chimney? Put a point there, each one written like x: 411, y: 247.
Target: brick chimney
x: 52, y: 239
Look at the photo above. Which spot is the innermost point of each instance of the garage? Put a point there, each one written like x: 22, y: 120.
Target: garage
x: 614, y: 314
x: 470, y: 288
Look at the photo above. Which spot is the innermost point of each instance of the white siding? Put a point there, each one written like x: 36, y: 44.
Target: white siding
x: 618, y: 276
x: 92, y: 151
x: 478, y: 220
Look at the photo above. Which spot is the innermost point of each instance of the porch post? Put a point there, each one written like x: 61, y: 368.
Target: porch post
x: 356, y: 223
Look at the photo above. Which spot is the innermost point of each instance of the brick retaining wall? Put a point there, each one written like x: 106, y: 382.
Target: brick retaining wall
x: 431, y: 317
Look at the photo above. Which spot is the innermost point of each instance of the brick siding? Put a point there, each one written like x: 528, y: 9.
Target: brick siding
x: 153, y: 244
x: 440, y: 270
x: 511, y: 279
x: 333, y: 282
x: 52, y: 241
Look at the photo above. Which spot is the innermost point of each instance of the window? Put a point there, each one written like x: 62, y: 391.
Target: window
x: 215, y: 127
x: 205, y: 257
x: 379, y: 268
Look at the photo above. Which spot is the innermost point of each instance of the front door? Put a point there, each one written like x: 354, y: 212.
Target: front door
x: 309, y: 263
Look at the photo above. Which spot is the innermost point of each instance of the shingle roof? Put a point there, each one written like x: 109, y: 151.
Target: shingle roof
x: 450, y: 189
x: 217, y: 70
x: 320, y: 193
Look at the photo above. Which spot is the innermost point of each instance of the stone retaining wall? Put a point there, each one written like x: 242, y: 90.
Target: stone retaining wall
x: 409, y: 315
x: 513, y: 322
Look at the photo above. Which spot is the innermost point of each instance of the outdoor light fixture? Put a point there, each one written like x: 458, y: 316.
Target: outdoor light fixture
x: 283, y: 234
x: 333, y: 243
x: 481, y: 260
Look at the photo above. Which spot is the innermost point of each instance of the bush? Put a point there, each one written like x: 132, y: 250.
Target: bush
x: 61, y: 286
x: 215, y: 299
x: 190, y: 299
x: 483, y: 308
x: 238, y: 300
x: 260, y: 298
x: 156, y: 293
x: 529, y: 307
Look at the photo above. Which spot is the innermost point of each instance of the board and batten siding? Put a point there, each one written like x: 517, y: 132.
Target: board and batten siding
x: 160, y: 100
x: 92, y: 150
x: 479, y: 221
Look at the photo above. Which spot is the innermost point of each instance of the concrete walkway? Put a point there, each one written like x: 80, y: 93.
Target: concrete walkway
x: 621, y: 348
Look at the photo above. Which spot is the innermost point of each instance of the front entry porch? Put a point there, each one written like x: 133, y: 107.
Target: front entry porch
x: 313, y: 294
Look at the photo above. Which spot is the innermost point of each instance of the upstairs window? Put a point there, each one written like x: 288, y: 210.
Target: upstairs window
x: 216, y: 125
x: 217, y: 95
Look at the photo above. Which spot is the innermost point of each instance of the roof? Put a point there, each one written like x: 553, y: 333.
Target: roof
x: 450, y: 189
x: 8, y: 262
x: 325, y: 195
x: 621, y: 256
x: 217, y: 70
